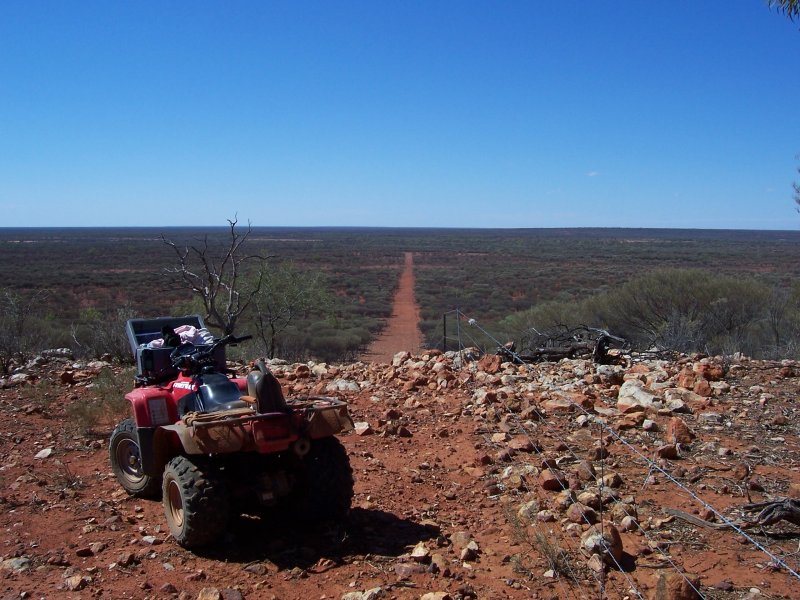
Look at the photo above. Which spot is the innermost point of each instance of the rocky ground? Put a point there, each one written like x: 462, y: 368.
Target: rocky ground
x: 473, y: 480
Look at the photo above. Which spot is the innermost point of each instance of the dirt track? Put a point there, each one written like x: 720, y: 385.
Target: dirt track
x: 402, y: 330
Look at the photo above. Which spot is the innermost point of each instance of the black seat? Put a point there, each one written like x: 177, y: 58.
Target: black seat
x: 266, y: 389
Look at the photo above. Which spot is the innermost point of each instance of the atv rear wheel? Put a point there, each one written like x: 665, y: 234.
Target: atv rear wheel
x: 325, y: 484
x: 126, y: 462
x: 195, y: 503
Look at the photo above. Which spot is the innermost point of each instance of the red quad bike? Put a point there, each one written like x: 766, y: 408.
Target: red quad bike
x: 213, y: 446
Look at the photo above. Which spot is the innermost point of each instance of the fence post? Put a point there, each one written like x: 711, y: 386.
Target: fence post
x: 444, y: 332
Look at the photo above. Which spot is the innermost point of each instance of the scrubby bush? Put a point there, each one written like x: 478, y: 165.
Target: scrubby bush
x: 20, y: 330
x: 684, y: 310
x: 106, y: 406
x: 102, y: 334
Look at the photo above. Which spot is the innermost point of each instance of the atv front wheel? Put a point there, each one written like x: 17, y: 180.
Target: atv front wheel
x: 325, y: 484
x: 195, y: 503
x: 126, y: 462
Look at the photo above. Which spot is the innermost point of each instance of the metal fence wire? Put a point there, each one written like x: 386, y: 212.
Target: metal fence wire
x: 627, y: 586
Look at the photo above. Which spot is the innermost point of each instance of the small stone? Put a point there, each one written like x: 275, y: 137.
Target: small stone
x: 552, y: 480
x: 460, y: 539
x: 440, y: 565
x: 77, y: 582
x: 628, y: 524
x: 522, y: 444
x: 151, y: 540
x: 256, y: 569
x: 126, y: 559
x: 578, y: 513
x: 420, y: 553
x: 590, y: 499
x: 436, y: 596
x: 470, y: 551
x: 667, y: 451
x: 585, y: 471
x: 595, y: 563
x: 724, y: 585
x: 620, y: 510
x: 604, y: 541
x: 528, y: 510
x: 362, y: 428
x: 209, y: 594
x: 631, y: 420
x: 97, y: 547
x: 707, y: 514
x: 46, y: 453
x: 702, y: 388
x: 405, y: 570
x: 678, y: 432
x: 612, y: 480
x: 632, y: 397
x: 676, y: 586
x: 18, y: 564
x: 168, y: 588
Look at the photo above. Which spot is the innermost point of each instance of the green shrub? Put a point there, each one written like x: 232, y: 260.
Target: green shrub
x: 684, y: 310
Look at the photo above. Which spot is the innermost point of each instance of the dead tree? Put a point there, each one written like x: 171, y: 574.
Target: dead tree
x: 561, y: 341
x: 785, y: 509
x: 225, y: 279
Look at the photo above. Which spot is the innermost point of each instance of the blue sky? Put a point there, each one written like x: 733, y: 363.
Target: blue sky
x: 468, y: 114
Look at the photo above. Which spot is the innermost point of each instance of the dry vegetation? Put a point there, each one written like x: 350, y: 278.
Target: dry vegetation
x: 80, y: 285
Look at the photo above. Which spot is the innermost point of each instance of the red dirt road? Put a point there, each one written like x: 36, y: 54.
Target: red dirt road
x: 402, y: 330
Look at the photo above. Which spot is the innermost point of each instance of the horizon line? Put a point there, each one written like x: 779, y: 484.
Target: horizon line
x: 390, y: 227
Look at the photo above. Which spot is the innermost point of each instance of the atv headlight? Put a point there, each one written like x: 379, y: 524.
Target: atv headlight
x: 158, y: 411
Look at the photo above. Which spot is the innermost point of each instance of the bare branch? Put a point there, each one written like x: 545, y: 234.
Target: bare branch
x: 215, y: 277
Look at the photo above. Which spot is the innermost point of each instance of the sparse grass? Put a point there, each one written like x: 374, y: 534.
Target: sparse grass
x: 65, y: 478
x: 107, y: 406
x: 558, y: 558
x: 533, y: 538
x: 43, y: 394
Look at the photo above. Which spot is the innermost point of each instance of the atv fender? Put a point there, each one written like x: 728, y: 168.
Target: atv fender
x: 151, y: 407
x: 154, y: 449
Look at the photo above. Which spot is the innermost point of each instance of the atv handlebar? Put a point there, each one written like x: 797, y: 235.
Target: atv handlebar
x: 228, y: 339
x: 188, y: 357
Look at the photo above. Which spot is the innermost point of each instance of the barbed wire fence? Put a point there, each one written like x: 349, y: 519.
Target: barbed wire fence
x: 617, y: 572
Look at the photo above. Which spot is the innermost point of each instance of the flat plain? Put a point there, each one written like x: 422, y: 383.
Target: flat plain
x: 486, y: 273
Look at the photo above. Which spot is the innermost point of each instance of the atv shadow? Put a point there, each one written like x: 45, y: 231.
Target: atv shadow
x: 291, y: 543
